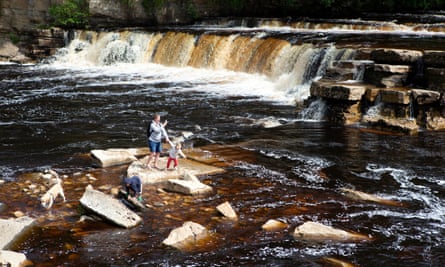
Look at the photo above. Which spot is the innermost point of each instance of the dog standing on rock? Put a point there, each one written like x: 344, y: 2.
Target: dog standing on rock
x: 47, y: 200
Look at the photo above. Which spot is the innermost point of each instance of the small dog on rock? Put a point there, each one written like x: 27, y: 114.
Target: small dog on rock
x: 47, y: 200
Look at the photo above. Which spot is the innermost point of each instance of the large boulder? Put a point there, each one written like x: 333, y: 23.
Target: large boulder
x: 109, y: 208
x: 189, y: 232
x: 13, y: 228
x: 318, y: 231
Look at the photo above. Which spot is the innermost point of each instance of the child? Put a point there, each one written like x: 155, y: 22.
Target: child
x: 173, y: 154
x: 133, y: 187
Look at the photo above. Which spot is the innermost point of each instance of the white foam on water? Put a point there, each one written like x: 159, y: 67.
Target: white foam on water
x: 426, y: 205
x: 213, y: 82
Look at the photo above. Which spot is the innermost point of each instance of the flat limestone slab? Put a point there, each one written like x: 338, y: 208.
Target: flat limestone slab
x: 13, y: 228
x: 109, y: 208
x: 151, y: 176
x: 187, y: 187
x: 112, y: 157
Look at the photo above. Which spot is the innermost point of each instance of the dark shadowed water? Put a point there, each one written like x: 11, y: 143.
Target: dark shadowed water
x: 52, y: 116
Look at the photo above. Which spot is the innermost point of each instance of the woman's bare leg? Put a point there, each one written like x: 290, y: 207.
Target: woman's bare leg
x: 155, y: 164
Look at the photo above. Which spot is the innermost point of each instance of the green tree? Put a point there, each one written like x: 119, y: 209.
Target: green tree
x: 70, y: 14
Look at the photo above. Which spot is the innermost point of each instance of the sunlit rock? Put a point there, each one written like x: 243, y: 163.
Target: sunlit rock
x: 227, y: 210
x: 269, y: 122
x: 395, y: 96
x: 188, y: 187
x: 352, y: 114
x: 397, y: 125
x: 13, y: 259
x: 318, y: 231
x: 425, y: 97
x: 153, y: 175
x: 339, y: 91
x: 109, y: 208
x: 434, y: 121
x: 358, y: 195
x: 12, y: 229
x: 274, y: 225
x: 336, y: 262
x: 112, y: 157
x: 190, y: 177
x: 8, y: 50
x: 189, y: 232
x: 19, y: 214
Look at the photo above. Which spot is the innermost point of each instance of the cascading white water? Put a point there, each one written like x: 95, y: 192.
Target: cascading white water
x: 315, y: 111
x: 291, y: 68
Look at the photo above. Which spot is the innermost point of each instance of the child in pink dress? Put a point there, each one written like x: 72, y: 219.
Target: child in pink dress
x: 174, y: 153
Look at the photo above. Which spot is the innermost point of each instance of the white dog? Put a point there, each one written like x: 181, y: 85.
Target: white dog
x: 48, y: 198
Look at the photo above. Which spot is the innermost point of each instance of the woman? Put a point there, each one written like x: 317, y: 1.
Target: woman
x: 155, y: 133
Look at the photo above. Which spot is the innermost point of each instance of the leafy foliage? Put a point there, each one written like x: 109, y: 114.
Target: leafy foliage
x: 14, y: 37
x: 151, y: 5
x: 70, y: 14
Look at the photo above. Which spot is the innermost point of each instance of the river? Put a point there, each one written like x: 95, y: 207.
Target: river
x: 53, y: 114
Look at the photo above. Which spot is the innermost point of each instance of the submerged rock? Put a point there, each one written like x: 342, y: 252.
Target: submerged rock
x: 318, y: 231
x: 109, y: 208
x: 357, y: 195
x: 274, y: 225
x: 337, y: 263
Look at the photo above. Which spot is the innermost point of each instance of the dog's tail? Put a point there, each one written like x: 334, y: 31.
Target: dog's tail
x: 54, y: 173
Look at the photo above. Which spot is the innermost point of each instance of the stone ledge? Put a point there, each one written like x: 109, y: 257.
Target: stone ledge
x: 339, y: 91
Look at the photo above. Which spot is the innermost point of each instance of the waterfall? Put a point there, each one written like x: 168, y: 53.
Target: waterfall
x: 315, y: 111
x: 375, y: 110
x: 291, y: 67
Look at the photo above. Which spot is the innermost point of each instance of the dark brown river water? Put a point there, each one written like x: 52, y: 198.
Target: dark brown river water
x: 53, y: 114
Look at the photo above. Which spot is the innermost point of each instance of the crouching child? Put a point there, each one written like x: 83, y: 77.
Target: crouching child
x: 133, y: 187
